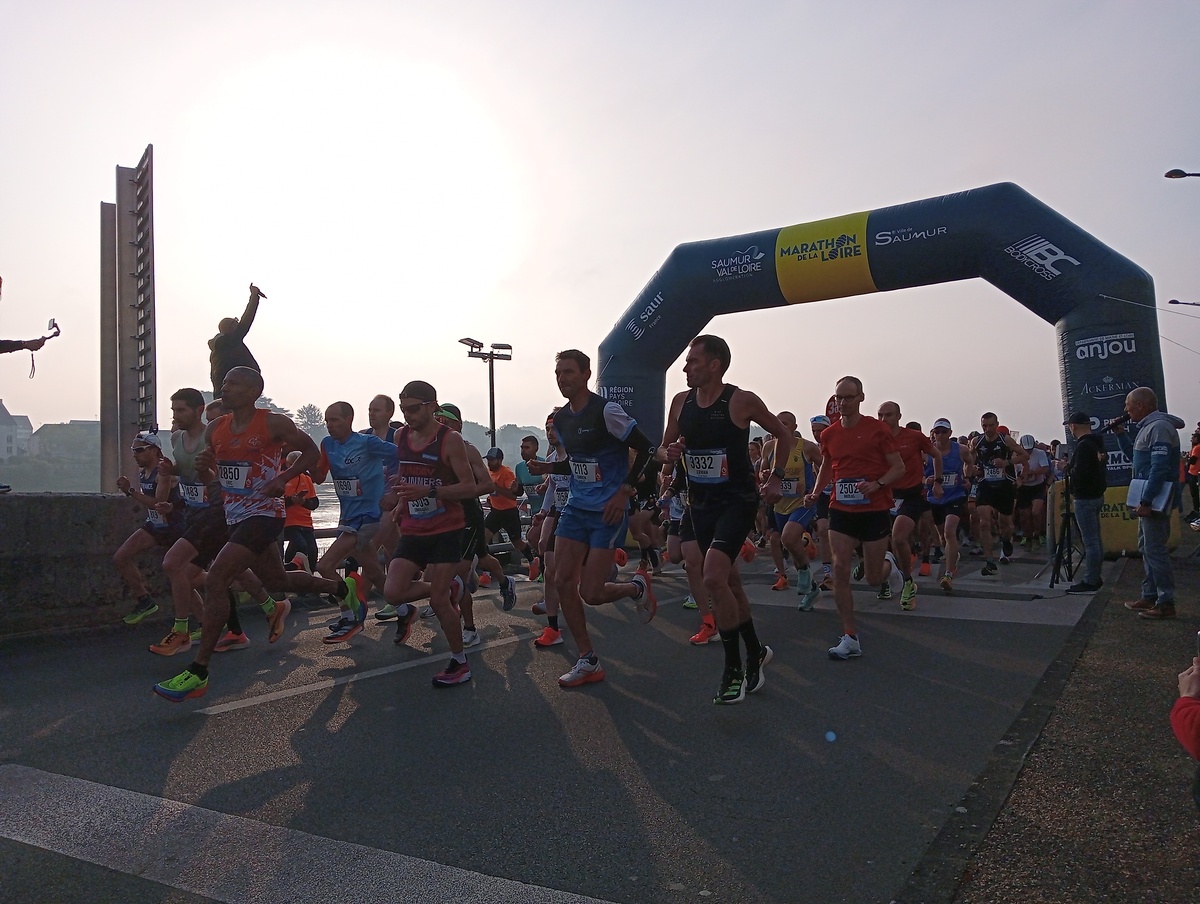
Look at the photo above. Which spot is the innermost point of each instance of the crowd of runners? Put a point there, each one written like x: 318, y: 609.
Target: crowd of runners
x: 860, y: 496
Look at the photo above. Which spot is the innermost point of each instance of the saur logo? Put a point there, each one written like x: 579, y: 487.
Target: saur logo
x: 1040, y: 256
x: 637, y: 331
x: 1104, y: 347
x: 644, y: 317
x: 738, y: 265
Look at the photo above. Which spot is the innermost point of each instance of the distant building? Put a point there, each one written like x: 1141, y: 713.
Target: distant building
x: 77, y: 441
x: 15, y: 433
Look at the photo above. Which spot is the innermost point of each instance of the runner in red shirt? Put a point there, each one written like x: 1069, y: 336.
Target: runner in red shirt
x: 913, y: 446
x: 858, y: 453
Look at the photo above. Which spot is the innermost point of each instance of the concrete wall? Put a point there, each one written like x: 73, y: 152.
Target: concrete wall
x: 56, y: 566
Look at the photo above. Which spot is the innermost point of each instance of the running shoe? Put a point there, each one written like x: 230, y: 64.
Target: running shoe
x: 1141, y: 605
x: 755, y: 679
x: 749, y: 551
x: 539, y: 608
x: 231, y: 641
x: 826, y: 585
x: 470, y: 638
x: 173, y: 643
x: 140, y: 611
x: 809, y: 597
x: 550, y: 637
x: 1006, y: 549
x: 454, y: 673
x: 857, y: 572
x: 923, y: 571
x: 707, y: 634
x: 690, y: 603
x: 278, y: 618
x: 300, y: 560
x: 5, y: 488
x: 620, y: 557
x: 343, y: 631
x: 485, y: 580
x: 908, y: 595
x: 427, y: 612
x: 647, y: 605
x: 184, y: 685
x: 583, y: 672
x: 535, y: 568
x: 885, y: 591
x: 781, y: 582
x: 989, y: 568
x: 947, y: 582
x: 732, y: 689
x: 847, y: 648
x: 508, y: 594
x: 196, y: 634
x: 404, y: 624
x: 386, y: 613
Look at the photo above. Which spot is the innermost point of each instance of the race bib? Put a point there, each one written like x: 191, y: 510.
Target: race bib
x: 561, y: 495
x: 347, y: 487
x: 790, y: 487
x: 707, y: 466
x: 586, y: 470
x: 425, y: 507
x: 234, y: 476
x: 993, y: 474
x: 846, y: 491
x: 193, y: 493
x: 154, y: 519
x: 950, y: 480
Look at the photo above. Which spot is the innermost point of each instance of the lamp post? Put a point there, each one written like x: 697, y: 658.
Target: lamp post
x: 1178, y: 174
x: 500, y: 351
x: 1194, y: 304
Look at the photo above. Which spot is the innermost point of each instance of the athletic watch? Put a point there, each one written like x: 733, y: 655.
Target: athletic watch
x: 780, y: 473
x: 433, y: 492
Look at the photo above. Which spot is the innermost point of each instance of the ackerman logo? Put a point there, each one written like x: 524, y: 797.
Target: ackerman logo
x: 738, y: 266
x: 1108, y: 388
x: 1040, y: 256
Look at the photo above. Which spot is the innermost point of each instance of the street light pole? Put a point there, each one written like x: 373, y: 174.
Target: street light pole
x: 499, y: 351
x: 1178, y: 174
x: 1194, y: 304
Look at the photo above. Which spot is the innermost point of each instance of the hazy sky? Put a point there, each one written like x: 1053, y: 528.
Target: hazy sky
x: 396, y: 176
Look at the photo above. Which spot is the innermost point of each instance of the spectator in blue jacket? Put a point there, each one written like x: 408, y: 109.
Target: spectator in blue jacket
x: 1155, y: 455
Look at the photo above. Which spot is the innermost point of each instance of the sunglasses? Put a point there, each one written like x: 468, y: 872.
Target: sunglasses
x: 413, y: 409
x: 136, y: 449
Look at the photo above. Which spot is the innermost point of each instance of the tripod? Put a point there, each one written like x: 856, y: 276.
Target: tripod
x: 1065, y: 565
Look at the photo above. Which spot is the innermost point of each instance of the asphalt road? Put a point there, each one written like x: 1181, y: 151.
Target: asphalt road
x: 312, y: 772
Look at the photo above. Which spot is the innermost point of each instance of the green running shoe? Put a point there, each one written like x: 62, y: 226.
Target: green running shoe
x: 184, y: 685
x: 908, y: 595
x: 141, y: 611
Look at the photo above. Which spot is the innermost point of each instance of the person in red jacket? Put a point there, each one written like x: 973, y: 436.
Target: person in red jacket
x: 1185, y: 717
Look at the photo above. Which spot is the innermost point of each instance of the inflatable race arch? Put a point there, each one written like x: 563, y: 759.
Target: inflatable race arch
x: 1101, y: 304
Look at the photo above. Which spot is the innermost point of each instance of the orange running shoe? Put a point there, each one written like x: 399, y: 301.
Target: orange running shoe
x: 707, y: 633
x: 535, y: 568
x: 485, y: 579
x: 550, y: 637
x: 923, y: 571
x: 173, y: 643
x: 781, y: 582
x: 620, y: 557
x: 748, y: 551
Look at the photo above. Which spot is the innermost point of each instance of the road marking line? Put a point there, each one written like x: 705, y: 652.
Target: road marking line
x: 347, y: 679
x: 230, y: 858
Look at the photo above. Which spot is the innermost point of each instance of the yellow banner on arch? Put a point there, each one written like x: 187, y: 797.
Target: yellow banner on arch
x: 824, y: 259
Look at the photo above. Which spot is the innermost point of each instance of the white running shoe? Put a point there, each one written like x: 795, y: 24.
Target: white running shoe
x: 470, y: 638
x: 847, y: 648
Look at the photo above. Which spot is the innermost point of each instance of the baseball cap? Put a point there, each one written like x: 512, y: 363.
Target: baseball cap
x: 450, y: 411
x: 941, y: 424
x: 819, y: 419
x: 1079, y: 417
x: 495, y: 453
x: 149, y: 439
x: 1003, y: 431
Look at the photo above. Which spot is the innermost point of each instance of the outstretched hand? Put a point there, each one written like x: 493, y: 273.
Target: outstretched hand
x: 256, y: 292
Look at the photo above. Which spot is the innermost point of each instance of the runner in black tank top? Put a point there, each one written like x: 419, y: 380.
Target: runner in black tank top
x: 709, y: 428
x: 995, y: 456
